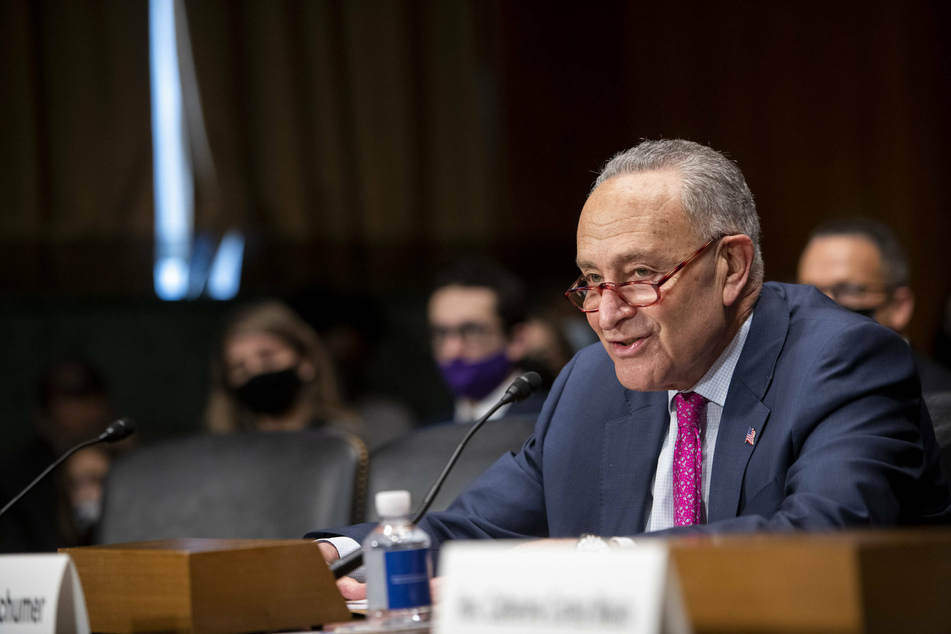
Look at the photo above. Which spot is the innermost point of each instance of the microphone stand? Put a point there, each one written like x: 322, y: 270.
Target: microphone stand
x: 116, y: 431
x: 349, y: 563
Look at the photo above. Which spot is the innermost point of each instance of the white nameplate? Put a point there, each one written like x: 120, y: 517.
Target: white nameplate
x: 539, y: 588
x: 41, y: 594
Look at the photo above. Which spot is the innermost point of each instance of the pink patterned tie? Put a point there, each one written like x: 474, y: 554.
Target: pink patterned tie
x: 688, y: 459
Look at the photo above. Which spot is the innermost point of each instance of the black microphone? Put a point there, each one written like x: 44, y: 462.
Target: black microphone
x: 118, y: 430
x: 520, y: 389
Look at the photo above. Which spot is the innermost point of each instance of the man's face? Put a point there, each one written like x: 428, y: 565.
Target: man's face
x: 76, y: 417
x: 633, y: 227
x: 464, y: 324
x: 849, y: 269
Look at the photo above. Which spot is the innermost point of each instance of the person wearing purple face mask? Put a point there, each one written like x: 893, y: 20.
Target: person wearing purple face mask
x: 477, y: 316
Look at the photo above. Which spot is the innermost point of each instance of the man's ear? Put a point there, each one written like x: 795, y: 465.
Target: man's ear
x: 517, y: 348
x: 734, y: 265
x: 900, y: 308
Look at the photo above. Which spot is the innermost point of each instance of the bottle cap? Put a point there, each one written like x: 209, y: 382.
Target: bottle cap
x: 392, y: 503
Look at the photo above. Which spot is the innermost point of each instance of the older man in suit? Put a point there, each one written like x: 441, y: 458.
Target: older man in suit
x: 714, y: 402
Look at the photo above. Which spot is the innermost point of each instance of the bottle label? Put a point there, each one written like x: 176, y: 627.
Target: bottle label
x: 407, y: 578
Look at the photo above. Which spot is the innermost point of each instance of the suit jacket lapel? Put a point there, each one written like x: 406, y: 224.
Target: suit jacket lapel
x: 743, y: 411
x: 628, y: 462
x: 744, y: 408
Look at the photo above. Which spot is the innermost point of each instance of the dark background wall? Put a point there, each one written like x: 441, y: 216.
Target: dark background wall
x: 360, y: 145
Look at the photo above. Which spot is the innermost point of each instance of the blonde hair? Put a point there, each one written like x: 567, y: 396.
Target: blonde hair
x: 225, y: 414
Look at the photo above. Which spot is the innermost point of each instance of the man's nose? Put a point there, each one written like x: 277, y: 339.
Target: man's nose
x: 450, y: 347
x: 612, y: 309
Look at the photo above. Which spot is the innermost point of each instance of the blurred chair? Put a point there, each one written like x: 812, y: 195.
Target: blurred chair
x: 241, y: 485
x: 414, y: 461
x: 939, y: 407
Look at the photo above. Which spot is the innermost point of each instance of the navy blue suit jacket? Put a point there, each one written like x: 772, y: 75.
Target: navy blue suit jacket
x: 842, y: 439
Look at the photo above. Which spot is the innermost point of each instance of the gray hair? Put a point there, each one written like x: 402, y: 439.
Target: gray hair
x: 714, y: 192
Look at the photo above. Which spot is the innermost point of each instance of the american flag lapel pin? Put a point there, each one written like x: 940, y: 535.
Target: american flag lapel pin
x: 750, y: 436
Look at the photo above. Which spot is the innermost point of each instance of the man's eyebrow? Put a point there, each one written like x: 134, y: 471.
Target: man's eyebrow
x: 584, y: 264
x: 618, y: 260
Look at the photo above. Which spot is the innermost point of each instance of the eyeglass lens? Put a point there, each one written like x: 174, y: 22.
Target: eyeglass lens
x: 633, y: 294
x: 468, y: 332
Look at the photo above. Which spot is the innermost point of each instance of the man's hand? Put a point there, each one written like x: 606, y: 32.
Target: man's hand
x: 351, y: 589
x: 329, y: 551
x: 434, y: 585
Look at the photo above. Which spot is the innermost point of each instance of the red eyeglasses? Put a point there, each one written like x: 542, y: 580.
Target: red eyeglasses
x: 638, y: 293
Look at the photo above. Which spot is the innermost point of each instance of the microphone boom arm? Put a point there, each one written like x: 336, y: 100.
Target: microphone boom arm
x: 82, y: 445
x: 520, y: 389
x: 118, y: 430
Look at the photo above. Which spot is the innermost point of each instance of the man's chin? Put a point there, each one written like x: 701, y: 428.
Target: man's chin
x: 638, y: 381
x: 634, y: 374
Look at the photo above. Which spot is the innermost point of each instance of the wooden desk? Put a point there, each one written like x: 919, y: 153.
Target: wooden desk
x: 207, y: 586
x: 866, y: 581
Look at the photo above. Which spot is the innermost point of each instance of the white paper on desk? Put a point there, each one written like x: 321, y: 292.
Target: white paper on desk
x: 492, y: 588
x: 41, y: 594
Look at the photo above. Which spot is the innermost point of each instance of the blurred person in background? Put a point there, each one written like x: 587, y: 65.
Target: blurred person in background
x: 72, y: 405
x: 477, y: 316
x: 861, y: 265
x: 84, y: 480
x: 271, y: 372
x: 547, y: 349
x: 353, y: 338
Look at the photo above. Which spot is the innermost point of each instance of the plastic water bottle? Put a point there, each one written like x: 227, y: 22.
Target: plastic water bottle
x: 398, y: 566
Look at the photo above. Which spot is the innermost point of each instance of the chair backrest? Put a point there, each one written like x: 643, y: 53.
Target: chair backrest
x: 939, y: 407
x: 414, y: 461
x: 242, y: 485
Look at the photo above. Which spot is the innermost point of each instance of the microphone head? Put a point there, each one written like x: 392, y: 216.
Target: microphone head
x: 119, y: 429
x: 524, y: 386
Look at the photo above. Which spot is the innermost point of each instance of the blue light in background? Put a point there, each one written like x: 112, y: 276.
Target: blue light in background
x: 174, y: 202
x: 184, y: 264
x: 224, y: 279
x: 171, y: 277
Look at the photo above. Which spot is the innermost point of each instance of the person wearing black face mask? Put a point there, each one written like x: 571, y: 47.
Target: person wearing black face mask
x: 271, y: 393
x: 861, y: 265
x: 271, y: 373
